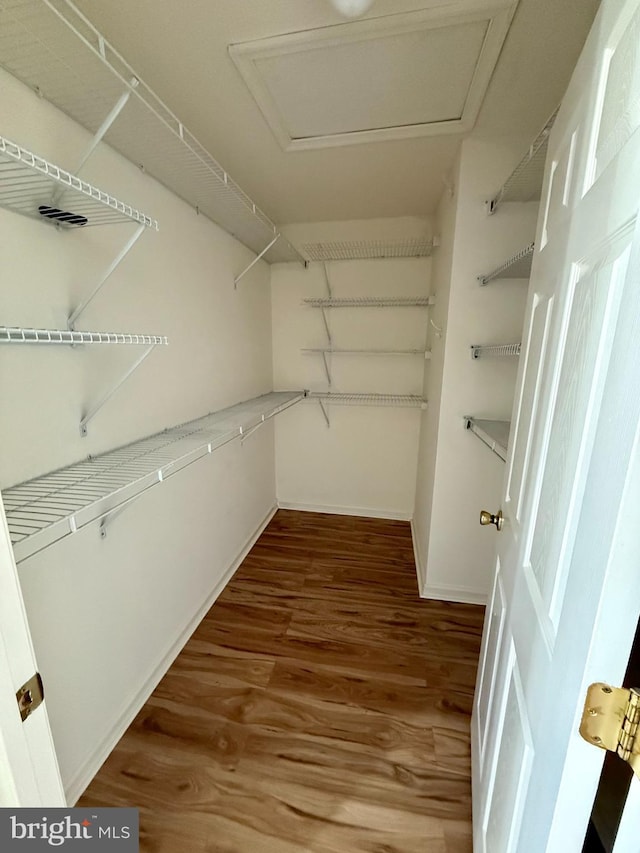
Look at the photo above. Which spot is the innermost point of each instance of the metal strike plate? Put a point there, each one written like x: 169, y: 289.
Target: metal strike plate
x: 30, y: 696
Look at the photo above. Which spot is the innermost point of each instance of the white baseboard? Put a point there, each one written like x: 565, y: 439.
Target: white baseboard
x: 83, y: 777
x: 421, y: 567
x: 363, y: 512
x: 459, y: 594
x: 439, y: 592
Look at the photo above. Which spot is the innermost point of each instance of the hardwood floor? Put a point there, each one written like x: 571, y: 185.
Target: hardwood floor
x: 320, y: 707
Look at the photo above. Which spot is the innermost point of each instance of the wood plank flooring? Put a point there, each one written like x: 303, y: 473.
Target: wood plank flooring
x: 320, y: 707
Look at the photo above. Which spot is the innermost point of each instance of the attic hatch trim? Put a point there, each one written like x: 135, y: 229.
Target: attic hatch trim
x: 497, y: 14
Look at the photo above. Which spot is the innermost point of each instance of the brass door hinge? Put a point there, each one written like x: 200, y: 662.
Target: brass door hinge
x: 610, y: 720
x: 30, y: 696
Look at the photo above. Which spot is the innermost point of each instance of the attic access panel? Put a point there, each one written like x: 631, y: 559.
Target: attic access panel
x: 407, y: 75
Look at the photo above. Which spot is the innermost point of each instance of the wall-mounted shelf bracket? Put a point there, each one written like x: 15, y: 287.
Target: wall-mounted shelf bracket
x: 105, y: 399
x: 255, y: 261
x: 495, y: 434
x: 325, y: 320
x: 325, y: 414
x: 99, y: 134
x: 112, y: 267
x: 109, y: 120
x: 109, y: 517
x: 246, y: 433
x: 327, y: 280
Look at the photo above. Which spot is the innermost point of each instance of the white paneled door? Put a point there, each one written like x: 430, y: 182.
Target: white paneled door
x: 29, y: 773
x: 566, y: 598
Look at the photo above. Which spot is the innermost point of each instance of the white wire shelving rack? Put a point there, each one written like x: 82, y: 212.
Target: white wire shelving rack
x: 326, y: 398
x: 327, y: 352
x: 30, y: 184
x: 16, y: 335
x: 53, y: 48
x: 519, y: 266
x: 356, y: 250
x: 344, y: 351
x: 45, y: 510
x: 525, y: 182
x: 495, y: 350
x: 495, y: 434
x: 369, y: 302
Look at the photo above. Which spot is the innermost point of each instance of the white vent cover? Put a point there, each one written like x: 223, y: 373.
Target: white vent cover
x: 413, y: 74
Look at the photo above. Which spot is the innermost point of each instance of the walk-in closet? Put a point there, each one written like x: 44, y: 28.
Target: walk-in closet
x: 272, y: 289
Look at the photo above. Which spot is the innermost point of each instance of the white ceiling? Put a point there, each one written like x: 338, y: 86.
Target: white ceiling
x: 180, y: 49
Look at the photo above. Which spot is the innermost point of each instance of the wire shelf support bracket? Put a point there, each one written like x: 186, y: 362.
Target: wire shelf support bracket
x: 109, y: 394
x: 495, y: 350
x: 82, y: 307
x: 494, y: 434
x: 109, y: 120
x: 255, y: 260
x: 519, y: 266
x: 49, y: 508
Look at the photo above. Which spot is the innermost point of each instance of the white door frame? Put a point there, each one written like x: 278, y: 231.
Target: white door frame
x: 29, y: 774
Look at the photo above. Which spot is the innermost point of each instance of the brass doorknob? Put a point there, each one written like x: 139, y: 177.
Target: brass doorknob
x: 490, y: 518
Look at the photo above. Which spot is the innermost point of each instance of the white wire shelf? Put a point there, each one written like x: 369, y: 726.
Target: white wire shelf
x: 341, y: 351
x: 519, y: 266
x: 353, y: 250
x: 28, y: 184
x: 52, y: 47
x: 495, y: 350
x: 370, y: 302
x: 399, y: 400
x: 495, y: 434
x: 49, y: 508
x: 525, y: 182
x: 15, y: 335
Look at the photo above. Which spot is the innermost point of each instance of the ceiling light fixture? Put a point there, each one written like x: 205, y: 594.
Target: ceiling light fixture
x: 352, y: 8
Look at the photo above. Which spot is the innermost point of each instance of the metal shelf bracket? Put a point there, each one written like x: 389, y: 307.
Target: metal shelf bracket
x: 323, y: 409
x: 112, y: 267
x: 105, y: 399
x: 109, y: 120
x: 255, y: 261
x: 245, y: 434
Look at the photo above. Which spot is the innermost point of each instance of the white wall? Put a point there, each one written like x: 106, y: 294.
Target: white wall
x: 442, y: 261
x: 458, y: 476
x: 108, y: 616
x: 365, y: 463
